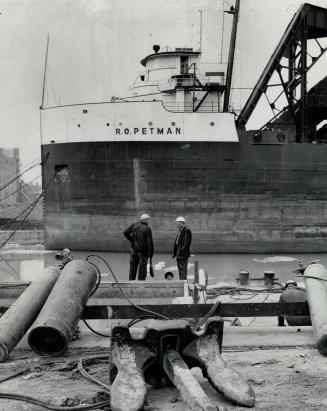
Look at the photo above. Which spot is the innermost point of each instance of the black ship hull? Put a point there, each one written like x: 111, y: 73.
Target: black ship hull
x: 236, y: 197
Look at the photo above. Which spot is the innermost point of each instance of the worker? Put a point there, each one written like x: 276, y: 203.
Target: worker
x: 182, y: 247
x: 291, y: 294
x: 140, y: 237
x: 169, y: 275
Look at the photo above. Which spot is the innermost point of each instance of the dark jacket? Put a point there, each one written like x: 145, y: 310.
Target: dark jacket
x: 140, y: 237
x: 182, y: 243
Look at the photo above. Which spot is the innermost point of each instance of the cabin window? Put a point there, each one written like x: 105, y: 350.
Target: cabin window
x: 184, y: 64
x: 62, y: 173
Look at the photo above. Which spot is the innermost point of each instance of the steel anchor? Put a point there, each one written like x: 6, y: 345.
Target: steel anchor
x: 161, y: 354
x: 223, y: 378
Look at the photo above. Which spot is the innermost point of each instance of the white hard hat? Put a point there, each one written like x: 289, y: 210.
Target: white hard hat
x: 180, y: 219
x: 290, y: 282
x: 144, y: 217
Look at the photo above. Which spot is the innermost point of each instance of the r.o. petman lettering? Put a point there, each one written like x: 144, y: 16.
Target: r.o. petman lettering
x: 148, y: 131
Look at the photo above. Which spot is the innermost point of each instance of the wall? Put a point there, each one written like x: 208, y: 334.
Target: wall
x: 9, y: 168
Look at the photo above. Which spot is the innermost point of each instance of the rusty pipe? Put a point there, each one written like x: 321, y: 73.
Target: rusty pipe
x: 54, y: 328
x: 20, y: 316
x: 315, y: 280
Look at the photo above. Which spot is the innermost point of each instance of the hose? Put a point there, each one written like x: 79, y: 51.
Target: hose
x: 33, y: 400
x: 84, y: 373
x: 93, y: 291
x: 122, y: 291
x: 204, y: 319
x: 95, y: 331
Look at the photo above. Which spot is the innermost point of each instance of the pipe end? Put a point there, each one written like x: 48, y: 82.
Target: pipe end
x: 47, y: 341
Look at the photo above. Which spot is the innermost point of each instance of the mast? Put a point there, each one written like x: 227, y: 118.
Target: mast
x: 45, y: 72
x: 229, y: 73
x: 200, y: 11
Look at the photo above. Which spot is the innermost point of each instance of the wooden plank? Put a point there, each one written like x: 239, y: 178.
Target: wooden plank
x: 107, y: 289
x: 270, y: 309
x: 141, y: 289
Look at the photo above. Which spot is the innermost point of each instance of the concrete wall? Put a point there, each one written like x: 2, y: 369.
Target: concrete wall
x: 22, y: 237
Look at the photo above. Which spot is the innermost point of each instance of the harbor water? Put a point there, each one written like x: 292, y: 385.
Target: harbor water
x: 18, y: 265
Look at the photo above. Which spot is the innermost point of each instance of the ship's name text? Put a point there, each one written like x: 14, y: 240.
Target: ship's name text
x: 148, y: 131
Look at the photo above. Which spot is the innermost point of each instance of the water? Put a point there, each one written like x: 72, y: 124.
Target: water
x: 25, y: 265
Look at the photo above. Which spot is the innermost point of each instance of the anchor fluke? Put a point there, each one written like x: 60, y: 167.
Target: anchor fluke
x: 222, y: 377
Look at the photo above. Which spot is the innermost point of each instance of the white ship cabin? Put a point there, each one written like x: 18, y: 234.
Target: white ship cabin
x: 173, y: 77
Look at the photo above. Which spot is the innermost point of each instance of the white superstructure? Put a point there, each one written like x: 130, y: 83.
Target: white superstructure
x: 170, y: 101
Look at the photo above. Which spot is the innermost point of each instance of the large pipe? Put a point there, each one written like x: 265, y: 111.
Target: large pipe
x: 20, y: 316
x: 54, y: 328
x: 315, y: 280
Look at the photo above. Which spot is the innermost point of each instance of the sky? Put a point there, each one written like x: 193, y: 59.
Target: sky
x: 96, y: 45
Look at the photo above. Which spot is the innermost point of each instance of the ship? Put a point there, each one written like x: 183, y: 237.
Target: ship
x: 176, y: 147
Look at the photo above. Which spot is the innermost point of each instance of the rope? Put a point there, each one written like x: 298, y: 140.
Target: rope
x: 233, y: 291
x: 29, y: 209
x: 20, y: 188
x: 25, y: 171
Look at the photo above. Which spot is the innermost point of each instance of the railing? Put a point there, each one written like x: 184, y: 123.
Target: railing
x: 171, y: 82
x: 209, y: 107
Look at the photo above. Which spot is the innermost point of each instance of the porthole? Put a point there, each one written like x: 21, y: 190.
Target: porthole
x: 108, y: 124
x: 84, y: 111
x: 257, y: 136
x: 212, y: 123
x: 281, y: 137
x: 78, y: 125
x: 150, y: 124
x: 173, y: 123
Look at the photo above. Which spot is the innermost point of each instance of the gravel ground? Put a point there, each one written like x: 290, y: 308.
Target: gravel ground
x: 282, y: 378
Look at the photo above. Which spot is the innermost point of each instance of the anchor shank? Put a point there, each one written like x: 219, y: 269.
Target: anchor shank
x: 189, y: 388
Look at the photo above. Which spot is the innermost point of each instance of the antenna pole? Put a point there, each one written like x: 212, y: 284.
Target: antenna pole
x: 231, y: 54
x: 44, y: 73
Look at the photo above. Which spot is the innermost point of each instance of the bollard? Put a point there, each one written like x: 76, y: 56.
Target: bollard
x: 20, y: 316
x: 268, y: 278
x: 243, y: 277
x: 54, y: 328
x: 315, y: 280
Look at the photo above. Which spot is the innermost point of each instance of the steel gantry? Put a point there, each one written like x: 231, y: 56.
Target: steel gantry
x: 289, y: 64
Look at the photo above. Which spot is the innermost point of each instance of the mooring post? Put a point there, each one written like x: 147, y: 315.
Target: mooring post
x: 243, y: 277
x: 268, y: 278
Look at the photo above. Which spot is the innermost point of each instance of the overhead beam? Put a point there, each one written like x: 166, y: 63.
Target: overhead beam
x: 309, y: 22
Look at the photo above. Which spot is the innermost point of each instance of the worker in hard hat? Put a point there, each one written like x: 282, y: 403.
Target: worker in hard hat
x: 293, y: 294
x: 182, y: 247
x: 140, y: 237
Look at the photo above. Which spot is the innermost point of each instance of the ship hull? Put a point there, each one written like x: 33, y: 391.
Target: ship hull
x: 236, y: 197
